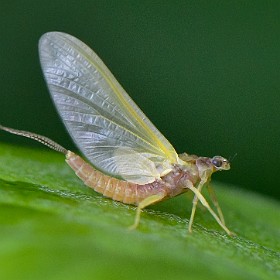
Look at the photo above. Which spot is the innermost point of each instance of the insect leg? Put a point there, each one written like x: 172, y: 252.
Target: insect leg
x: 195, y: 200
x: 213, y: 197
x: 144, y: 203
x: 206, y: 205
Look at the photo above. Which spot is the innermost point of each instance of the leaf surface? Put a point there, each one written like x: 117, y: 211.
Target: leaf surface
x: 54, y: 227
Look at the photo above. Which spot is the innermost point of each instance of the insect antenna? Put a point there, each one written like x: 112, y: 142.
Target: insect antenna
x: 231, y: 158
x: 39, y: 138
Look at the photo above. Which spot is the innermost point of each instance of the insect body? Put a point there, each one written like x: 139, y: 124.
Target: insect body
x: 133, y: 162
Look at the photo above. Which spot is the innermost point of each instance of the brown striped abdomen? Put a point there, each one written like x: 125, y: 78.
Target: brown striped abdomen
x: 116, y: 189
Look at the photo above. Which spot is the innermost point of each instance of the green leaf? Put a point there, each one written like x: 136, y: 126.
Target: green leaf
x: 54, y: 227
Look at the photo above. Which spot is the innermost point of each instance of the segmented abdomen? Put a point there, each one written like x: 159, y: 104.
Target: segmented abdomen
x: 119, y: 190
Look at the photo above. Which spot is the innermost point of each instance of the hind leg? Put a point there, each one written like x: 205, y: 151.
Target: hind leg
x: 144, y: 203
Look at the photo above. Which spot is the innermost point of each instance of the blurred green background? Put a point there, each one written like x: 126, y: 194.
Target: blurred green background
x: 205, y: 72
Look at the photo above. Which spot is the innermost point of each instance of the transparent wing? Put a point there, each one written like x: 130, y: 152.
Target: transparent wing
x: 142, y: 169
x: 99, y: 115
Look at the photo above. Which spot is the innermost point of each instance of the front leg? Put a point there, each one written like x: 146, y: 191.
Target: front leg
x: 207, y: 206
x: 216, y: 203
x: 195, y: 200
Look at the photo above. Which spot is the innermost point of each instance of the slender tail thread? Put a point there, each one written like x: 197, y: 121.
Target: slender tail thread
x: 39, y: 138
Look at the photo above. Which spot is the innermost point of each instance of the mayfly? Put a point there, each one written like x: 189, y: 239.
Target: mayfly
x: 132, y: 161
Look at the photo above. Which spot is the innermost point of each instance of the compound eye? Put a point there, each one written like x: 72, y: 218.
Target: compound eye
x: 217, y: 162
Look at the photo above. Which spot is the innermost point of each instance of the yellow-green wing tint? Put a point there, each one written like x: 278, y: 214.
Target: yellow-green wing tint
x: 98, y: 113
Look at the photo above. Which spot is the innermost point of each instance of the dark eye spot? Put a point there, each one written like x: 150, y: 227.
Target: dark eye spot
x: 217, y: 162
